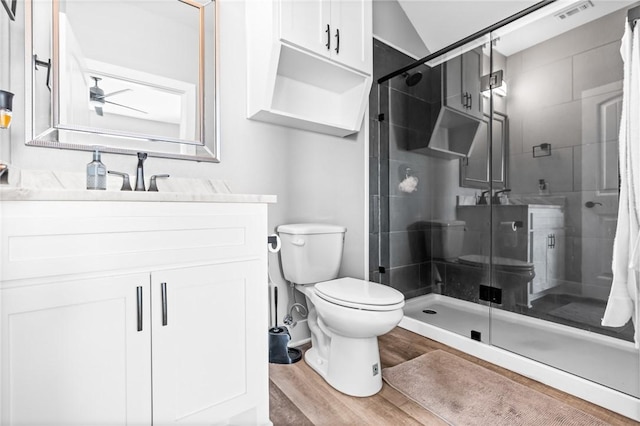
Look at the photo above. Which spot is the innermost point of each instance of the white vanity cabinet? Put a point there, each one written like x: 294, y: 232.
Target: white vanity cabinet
x: 133, y: 313
x: 339, y: 29
x: 546, y: 249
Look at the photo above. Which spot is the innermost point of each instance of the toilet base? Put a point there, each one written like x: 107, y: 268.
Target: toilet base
x: 353, y: 366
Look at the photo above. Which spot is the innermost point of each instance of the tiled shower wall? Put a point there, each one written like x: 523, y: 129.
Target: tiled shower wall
x: 398, y: 241
x: 555, y: 88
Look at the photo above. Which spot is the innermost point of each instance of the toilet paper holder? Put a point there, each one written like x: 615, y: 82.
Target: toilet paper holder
x: 514, y: 225
x: 273, y: 243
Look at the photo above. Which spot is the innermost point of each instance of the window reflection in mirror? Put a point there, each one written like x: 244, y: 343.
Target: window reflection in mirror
x: 474, y: 170
x: 127, y: 76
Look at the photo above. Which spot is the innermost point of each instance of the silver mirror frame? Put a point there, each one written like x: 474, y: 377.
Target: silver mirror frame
x: 499, y: 181
x: 207, y: 151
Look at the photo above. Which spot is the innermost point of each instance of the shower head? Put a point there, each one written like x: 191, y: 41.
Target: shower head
x: 412, y: 79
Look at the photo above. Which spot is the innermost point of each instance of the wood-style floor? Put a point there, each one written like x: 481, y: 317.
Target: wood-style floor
x: 299, y: 396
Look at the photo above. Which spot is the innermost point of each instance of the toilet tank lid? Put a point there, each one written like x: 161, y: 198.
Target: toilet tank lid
x: 439, y: 223
x: 311, y: 228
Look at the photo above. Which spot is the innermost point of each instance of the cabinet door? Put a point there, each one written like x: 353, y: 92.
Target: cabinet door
x: 555, y: 258
x: 452, y: 84
x: 72, y: 353
x: 462, y: 83
x: 539, y: 241
x: 210, y: 355
x: 548, y: 258
x: 307, y: 24
x: 471, y: 73
x: 352, y: 44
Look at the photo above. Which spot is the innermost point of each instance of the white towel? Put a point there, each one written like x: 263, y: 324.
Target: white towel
x: 623, y: 298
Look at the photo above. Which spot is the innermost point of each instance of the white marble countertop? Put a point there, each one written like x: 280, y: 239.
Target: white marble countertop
x: 47, y: 185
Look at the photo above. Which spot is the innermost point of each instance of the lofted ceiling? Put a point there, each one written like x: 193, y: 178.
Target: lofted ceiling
x: 440, y: 23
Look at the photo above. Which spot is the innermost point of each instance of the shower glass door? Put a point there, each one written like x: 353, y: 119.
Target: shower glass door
x: 427, y: 122
x: 558, y: 91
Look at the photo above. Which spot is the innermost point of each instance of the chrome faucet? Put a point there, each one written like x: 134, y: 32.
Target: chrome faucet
x: 496, y: 195
x: 140, y: 172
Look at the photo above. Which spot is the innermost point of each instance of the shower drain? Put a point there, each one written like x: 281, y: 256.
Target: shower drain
x: 429, y: 311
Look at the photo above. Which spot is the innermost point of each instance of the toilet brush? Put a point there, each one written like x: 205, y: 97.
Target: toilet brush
x: 279, y: 337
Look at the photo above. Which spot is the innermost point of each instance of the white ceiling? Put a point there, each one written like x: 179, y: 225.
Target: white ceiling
x: 443, y: 22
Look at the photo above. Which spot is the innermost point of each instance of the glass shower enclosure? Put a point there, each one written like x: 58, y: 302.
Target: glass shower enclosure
x: 495, y: 187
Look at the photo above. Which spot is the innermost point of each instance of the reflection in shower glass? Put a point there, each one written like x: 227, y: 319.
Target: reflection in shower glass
x: 509, y: 234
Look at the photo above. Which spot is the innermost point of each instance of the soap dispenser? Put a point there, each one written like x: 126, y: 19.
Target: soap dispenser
x: 96, y: 173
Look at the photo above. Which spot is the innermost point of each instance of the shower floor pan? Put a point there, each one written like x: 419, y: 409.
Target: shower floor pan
x: 597, y: 368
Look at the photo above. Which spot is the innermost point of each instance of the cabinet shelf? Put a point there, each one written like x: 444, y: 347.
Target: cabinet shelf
x: 453, y: 135
x: 313, y: 93
x: 293, y: 82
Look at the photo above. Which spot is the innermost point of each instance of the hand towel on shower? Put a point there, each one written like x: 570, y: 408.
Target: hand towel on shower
x: 623, y: 298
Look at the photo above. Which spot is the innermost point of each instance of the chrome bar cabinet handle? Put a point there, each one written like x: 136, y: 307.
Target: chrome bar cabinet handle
x: 163, y: 290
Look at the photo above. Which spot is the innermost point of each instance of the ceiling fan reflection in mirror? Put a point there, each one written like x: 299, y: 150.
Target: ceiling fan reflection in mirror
x: 97, y: 98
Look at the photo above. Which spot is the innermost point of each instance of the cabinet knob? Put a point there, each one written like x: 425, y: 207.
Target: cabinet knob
x: 337, y: 40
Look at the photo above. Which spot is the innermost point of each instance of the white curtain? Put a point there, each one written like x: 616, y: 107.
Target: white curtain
x: 623, y: 299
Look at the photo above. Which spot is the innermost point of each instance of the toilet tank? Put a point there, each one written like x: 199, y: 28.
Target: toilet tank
x: 311, y: 252
x: 445, y: 238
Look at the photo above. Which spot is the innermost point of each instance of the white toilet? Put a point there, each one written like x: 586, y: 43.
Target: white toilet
x: 346, y: 315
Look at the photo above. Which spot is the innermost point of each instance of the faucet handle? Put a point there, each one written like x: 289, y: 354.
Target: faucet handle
x: 496, y: 195
x: 126, y: 185
x: 153, y: 186
x: 483, y: 200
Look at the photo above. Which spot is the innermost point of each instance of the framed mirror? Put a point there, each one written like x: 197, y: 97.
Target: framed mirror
x: 474, y: 169
x: 124, y: 76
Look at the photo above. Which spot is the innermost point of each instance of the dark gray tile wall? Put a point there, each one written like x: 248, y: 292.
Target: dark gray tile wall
x: 555, y: 88
x: 398, y: 241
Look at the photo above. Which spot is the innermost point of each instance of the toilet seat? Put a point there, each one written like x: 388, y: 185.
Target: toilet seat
x: 499, y: 263
x: 360, y: 294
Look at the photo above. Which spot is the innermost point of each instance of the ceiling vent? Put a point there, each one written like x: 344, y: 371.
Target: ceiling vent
x: 574, y: 9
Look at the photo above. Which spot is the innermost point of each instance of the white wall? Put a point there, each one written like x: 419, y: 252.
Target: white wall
x: 315, y: 177
x: 392, y: 26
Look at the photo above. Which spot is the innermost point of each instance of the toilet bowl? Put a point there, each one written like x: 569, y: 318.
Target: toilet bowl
x: 346, y: 315
x: 510, y: 275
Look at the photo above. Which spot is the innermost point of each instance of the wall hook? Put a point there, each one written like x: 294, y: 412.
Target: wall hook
x: 11, y: 10
x: 47, y: 65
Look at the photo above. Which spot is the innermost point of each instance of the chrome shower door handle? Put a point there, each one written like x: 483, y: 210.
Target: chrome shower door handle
x: 139, y: 304
x: 163, y: 291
